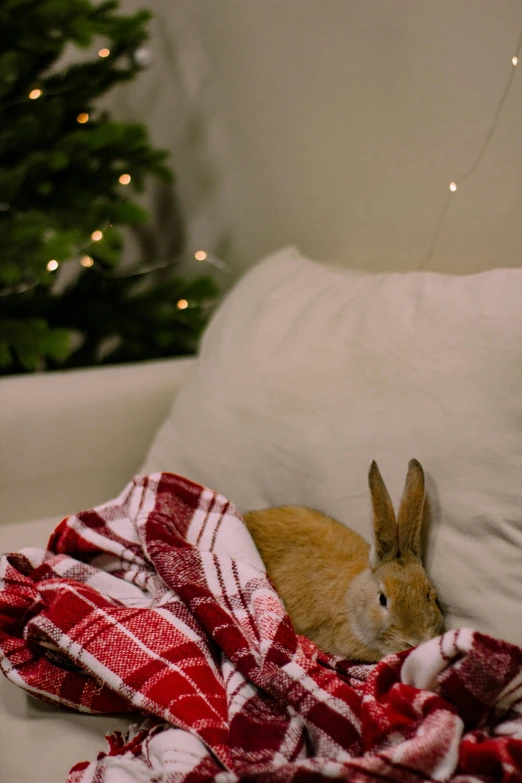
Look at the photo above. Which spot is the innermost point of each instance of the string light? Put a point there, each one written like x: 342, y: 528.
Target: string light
x: 143, y: 56
x: 202, y: 255
x: 210, y: 258
x: 202, y: 304
x: 478, y: 159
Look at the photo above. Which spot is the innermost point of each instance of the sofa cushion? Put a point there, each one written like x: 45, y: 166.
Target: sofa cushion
x: 307, y: 373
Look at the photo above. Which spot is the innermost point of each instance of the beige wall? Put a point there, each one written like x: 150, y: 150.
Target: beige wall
x: 337, y: 125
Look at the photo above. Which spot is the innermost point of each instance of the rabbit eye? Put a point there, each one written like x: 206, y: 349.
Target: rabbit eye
x: 382, y: 599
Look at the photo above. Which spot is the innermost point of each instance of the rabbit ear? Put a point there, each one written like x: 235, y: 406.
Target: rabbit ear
x: 384, y: 523
x: 411, y: 510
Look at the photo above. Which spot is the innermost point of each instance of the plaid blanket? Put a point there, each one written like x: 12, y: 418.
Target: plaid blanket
x: 158, y: 603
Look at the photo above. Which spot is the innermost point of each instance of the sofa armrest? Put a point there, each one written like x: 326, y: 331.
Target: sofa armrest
x: 71, y: 440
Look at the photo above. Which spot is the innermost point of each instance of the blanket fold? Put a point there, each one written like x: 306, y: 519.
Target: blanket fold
x: 158, y: 603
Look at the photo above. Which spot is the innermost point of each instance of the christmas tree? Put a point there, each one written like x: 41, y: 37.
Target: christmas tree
x: 67, y: 172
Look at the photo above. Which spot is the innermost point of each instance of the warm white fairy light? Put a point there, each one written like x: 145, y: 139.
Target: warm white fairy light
x: 478, y: 158
x: 86, y: 261
x: 210, y: 258
x: 82, y: 118
x: 96, y: 236
x: 124, y: 179
x: 104, y: 52
x: 143, y: 56
x: 34, y: 94
x: 199, y: 304
x: 52, y: 265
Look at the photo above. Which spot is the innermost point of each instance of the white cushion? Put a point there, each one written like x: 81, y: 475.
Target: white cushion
x: 307, y: 373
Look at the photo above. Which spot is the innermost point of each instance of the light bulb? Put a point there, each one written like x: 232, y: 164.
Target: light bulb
x: 143, y: 56
x: 86, y: 261
x: 200, y: 255
x: 104, y: 52
x: 453, y: 187
x: 125, y: 179
x: 34, y: 94
x: 182, y: 304
x: 82, y: 118
x: 96, y: 236
x: 514, y: 60
x: 52, y: 265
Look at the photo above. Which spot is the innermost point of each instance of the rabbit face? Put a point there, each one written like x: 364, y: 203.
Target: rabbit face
x: 394, y: 606
x: 408, y: 606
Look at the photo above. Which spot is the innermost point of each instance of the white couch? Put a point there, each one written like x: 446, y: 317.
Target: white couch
x: 68, y: 441
x: 305, y: 373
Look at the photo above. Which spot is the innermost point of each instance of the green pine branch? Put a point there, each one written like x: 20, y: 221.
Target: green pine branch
x: 61, y: 159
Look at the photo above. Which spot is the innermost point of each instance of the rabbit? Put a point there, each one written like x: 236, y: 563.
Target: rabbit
x: 353, y: 600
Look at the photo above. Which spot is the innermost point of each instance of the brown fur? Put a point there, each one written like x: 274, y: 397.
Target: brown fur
x: 330, y: 581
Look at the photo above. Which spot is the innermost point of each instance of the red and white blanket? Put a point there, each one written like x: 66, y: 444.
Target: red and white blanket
x: 158, y: 603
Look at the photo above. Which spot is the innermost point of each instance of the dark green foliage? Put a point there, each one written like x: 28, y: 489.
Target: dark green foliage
x: 59, y: 182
